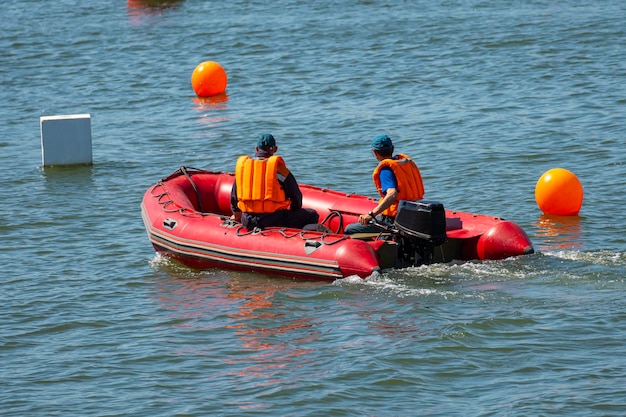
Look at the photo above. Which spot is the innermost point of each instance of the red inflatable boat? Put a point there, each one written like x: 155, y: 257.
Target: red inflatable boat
x: 187, y: 217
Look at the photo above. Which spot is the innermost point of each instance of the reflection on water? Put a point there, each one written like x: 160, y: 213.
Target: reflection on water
x: 69, y: 181
x: 67, y: 172
x: 559, y: 232
x: 153, y: 6
x: 211, y: 109
x: 138, y: 9
x: 273, y: 346
x: 217, y: 102
x: 267, y: 339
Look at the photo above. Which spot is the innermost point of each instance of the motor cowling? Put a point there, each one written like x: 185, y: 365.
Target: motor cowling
x: 421, y: 225
x: 424, y: 220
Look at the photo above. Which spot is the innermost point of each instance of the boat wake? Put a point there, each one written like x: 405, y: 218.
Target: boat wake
x: 601, y: 257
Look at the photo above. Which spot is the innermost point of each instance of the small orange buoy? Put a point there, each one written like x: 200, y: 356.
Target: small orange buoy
x: 209, y: 79
x: 558, y: 191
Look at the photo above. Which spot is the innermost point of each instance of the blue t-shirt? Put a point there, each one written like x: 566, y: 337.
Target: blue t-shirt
x: 387, y: 179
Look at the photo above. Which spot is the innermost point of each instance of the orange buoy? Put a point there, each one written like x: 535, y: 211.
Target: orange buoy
x: 559, y: 191
x: 209, y: 79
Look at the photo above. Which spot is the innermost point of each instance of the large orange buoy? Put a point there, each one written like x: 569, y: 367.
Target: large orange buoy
x: 209, y: 79
x: 559, y: 191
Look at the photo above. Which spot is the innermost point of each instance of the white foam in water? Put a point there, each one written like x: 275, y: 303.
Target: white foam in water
x: 157, y: 260
x: 603, y: 257
x: 402, y: 282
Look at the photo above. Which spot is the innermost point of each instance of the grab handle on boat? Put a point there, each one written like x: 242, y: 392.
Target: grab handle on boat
x: 183, y: 169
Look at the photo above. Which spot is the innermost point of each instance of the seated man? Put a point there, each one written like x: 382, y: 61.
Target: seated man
x: 396, y: 178
x: 265, y: 193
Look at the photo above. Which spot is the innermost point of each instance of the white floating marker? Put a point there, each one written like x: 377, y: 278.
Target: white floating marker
x: 66, y: 140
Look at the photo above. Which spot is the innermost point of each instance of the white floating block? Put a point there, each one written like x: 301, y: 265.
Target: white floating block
x: 66, y: 140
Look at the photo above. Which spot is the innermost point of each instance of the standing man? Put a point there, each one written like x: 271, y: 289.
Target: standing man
x: 396, y: 178
x: 265, y: 193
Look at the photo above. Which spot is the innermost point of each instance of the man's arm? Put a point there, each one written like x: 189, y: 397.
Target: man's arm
x: 292, y: 192
x: 390, y: 197
x: 233, y: 203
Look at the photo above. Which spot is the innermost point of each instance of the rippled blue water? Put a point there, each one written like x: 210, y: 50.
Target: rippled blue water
x: 486, y: 96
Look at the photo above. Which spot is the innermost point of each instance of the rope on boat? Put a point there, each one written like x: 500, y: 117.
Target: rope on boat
x: 184, y: 211
x: 254, y: 231
x: 302, y: 234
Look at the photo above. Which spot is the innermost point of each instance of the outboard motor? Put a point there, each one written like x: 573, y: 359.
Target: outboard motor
x: 421, y: 226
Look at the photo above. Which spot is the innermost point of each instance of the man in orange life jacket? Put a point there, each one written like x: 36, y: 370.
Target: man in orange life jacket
x: 396, y: 178
x: 265, y: 193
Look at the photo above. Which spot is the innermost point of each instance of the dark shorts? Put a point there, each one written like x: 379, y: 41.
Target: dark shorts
x: 281, y: 218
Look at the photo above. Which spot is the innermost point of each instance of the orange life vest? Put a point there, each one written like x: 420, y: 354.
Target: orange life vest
x: 408, y: 178
x: 258, y: 189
